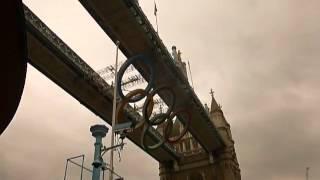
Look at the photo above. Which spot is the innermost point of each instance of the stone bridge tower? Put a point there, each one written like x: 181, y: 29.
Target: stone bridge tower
x: 199, y: 165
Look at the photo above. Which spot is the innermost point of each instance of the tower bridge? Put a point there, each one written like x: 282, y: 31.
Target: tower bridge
x: 206, y: 152
x: 124, y: 21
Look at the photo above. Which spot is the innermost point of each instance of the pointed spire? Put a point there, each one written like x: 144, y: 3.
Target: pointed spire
x: 179, y: 55
x: 206, y: 108
x: 174, y: 54
x: 211, y: 92
x: 214, y: 105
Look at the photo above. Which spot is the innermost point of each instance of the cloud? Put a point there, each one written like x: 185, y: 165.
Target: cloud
x: 260, y: 57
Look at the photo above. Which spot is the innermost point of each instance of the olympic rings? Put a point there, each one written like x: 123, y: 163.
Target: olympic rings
x: 123, y: 68
x: 147, y: 121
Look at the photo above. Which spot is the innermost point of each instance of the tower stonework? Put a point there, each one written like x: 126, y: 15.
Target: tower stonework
x: 197, y: 164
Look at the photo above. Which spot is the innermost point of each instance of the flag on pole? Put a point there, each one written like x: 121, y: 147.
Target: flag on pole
x: 155, y: 9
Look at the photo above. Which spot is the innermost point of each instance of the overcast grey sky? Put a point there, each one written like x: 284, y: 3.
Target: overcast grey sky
x: 260, y: 57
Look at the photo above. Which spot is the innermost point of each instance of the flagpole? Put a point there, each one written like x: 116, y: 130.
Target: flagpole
x: 155, y: 13
x: 114, y: 112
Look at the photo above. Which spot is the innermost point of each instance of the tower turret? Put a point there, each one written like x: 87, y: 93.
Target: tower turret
x: 218, y: 119
x: 227, y: 156
x: 174, y: 54
x: 178, y: 61
x: 197, y: 164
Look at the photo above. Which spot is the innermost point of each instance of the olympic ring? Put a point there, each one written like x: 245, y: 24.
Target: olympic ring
x: 123, y: 68
x: 125, y: 101
x: 167, y: 132
x: 148, y: 105
x: 145, y: 130
x: 162, y: 116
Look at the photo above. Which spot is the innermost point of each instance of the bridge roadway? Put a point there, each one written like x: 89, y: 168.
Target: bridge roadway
x: 51, y: 56
x: 124, y: 20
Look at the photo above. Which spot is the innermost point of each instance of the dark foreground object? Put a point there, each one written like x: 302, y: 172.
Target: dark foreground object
x: 13, y: 59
